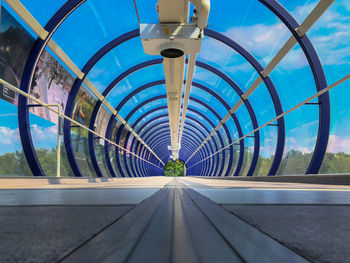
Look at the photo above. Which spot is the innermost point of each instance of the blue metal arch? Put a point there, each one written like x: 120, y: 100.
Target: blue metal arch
x: 160, y: 82
x: 74, y: 91
x: 161, y: 132
x: 281, y: 133
x: 160, y: 97
x: 23, y: 113
x: 152, y: 119
x: 249, y: 107
x: 266, y: 80
x: 207, y: 67
x: 164, y: 128
x: 186, y: 143
x: 320, y: 81
x: 197, y: 112
x: 194, y: 99
x: 200, y: 64
x: 276, y: 8
x: 188, y: 133
x: 159, y: 124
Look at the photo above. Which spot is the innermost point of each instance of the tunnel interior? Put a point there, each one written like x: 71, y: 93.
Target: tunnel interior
x: 174, y: 131
x: 266, y: 96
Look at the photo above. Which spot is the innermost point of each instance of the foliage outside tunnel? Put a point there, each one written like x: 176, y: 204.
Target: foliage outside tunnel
x: 174, y: 168
x: 15, y: 164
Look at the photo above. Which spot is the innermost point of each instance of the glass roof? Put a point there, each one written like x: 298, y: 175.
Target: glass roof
x: 250, y: 25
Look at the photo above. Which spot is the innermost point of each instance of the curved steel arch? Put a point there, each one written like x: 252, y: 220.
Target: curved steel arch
x: 188, y: 133
x: 197, y: 112
x: 164, y: 96
x: 249, y: 107
x: 74, y: 91
x: 320, y: 81
x: 161, y: 82
x: 164, y: 129
x: 205, y: 166
x: 161, y: 134
x: 199, y: 64
x: 151, y: 139
x: 188, y: 145
x: 35, y: 53
x: 93, y: 158
x: 166, y: 121
x: 271, y: 88
x: 154, y: 118
x: 189, y: 113
x: 194, y: 99
x: 324, y: 123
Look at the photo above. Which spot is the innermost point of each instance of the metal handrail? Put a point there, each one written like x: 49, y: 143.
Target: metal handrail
x: 59, y: 113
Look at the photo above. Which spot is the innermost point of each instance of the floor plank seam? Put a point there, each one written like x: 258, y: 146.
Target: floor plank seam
x: 215, y: 227
x: 267, y: 234
x: 92, y: 236
x: 274, y: 204
x: 142, y: 233
x: 69, y: 205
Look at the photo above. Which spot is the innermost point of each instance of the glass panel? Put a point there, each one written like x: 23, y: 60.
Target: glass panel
x: 248, y: 155
x: 293, y: 79
x: 146, y: 108
x: 209, y: 100
x: 151, y: 129
x: 132, y: 82
x: 101, y: 123
x: 83, y: 106
x: 154, y: 122
x: 216, y: 84
x: 268, y: 143
x: 301, y: 127
x: 139, y: 98
x: 200, y: 119
x: 330, y: 37
x: 12, y: 160
x: 204, y: 111
x: 44, y: 134
x: 122, y: 152
x: 235, y: 158
x: 231, y: 126
x: 42, y: 10
x: 244, y: 120
x: 262, y: 104
x: 129, y: 156
x: 104, y: 23
x: 337, y: 159
x: 261, y: 34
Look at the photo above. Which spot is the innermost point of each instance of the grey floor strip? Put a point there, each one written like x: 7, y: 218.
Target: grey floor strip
x: 252, y: 245
x: 177, y: 224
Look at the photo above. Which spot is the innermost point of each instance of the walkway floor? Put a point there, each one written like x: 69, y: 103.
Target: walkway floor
x: 175, y: 220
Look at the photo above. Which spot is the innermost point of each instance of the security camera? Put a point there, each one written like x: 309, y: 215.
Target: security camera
x: 171, y: 50
x: 170, y: 40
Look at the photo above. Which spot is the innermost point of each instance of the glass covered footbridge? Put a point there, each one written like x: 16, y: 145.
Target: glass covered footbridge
x: 206, y: 97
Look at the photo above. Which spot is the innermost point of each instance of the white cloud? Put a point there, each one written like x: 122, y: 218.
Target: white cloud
x: 41, y: 134
x: 264, y: 40
x: 293, y: 144
x: 8, y: 136
x: 8, y: 115
x: 338, y: 144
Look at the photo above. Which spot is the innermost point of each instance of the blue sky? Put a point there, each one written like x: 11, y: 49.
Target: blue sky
x: 250, y: 24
